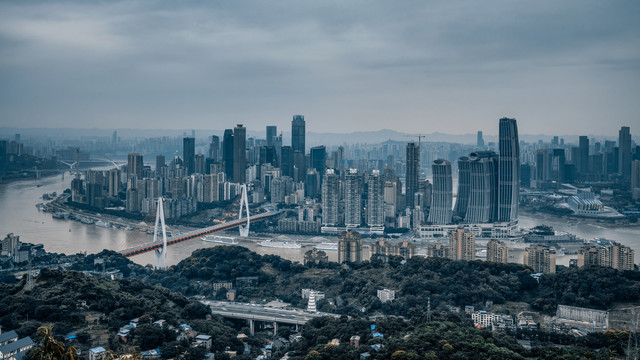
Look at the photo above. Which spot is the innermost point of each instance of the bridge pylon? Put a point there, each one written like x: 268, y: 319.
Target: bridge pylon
x: 244, y: 202
x: 160, y: 254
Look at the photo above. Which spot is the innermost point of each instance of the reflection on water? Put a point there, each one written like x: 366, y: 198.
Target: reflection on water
x: 19, y: 215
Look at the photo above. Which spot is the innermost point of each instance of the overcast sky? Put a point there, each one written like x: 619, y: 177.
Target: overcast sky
x: 559, y: 67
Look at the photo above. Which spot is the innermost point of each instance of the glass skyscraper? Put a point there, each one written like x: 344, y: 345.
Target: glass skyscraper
x: 440, y: 212
x: 189, y: 154
x: 508, y: 171
x: 298, y: 133
x: 483, y: 203
x: 464, y: 181
x: 413, y: 172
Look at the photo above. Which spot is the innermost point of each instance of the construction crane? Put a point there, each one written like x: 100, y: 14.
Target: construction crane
x: 419, y: 136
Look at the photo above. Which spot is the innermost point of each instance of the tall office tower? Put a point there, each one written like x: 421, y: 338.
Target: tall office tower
x: 349, y: 246
x: 199, y: 164
x: 311, y: 183
x: 480, y: 142
x: 441, y: 196
x: 413, y: 172
x: 375, y: 200
x: 286, y: 161
x: 483, y: 199
x: 330, y: 198
x: 94, y: 188
x: 508, y: 170
x: 583, y: 154
x: 624, y: 154
x: 298, y: 134
x: 635, y: 179
x: 277, y: 145
x: 541, y: 258
x: 134, y: 165
x: 462, y: 245
x: 272, y: 131
x: 318, y: 156
x: 497, y: 251
x: 352, y: 192
x: 114, y: 138
x: 239, y: 154
x: 189, y: 154
x: 160, y: 163
x: 227, y: 153
x: 113, y: 182
x: 299, y: 166
x: 214, y: 147
x: 464, y: 186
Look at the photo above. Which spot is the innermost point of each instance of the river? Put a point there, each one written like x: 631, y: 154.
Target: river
x: 19, y: 215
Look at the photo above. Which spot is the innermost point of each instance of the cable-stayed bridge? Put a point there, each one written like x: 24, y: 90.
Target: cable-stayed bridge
x: 158, y: 244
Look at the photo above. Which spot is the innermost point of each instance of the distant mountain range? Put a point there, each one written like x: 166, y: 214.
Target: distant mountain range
x: 313, y: 138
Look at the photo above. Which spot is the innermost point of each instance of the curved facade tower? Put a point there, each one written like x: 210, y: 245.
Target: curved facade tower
x: 464, y: 179
x: 441, y: 196
x: 483, y: 200
x: 508, y: 171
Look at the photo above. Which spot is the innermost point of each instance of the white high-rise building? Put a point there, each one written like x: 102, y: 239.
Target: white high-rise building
x: 330, y: 192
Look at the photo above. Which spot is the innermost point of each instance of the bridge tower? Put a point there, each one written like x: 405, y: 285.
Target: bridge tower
x: 244, y: 202
x: 161, y: 255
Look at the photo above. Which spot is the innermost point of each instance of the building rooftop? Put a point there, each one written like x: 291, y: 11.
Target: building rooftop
x: 13, y: 346
x: 8, y: 336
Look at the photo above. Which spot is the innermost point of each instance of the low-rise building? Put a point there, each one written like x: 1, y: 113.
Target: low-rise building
x: 386, y: 295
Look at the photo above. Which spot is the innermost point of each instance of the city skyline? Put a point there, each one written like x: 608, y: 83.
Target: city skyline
x: 560, y: 68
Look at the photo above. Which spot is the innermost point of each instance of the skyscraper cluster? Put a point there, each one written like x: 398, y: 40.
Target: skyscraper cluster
x: 488, y: 184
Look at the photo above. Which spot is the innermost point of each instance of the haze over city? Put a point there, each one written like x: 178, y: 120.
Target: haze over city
x: 560, y: 68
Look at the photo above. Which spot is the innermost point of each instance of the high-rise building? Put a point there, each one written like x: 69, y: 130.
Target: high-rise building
x: 272, y: 131
x: 318, y: 156
x: 211, y: 188
x: 464, y: 186
x: 508, y: 171
x: 160, y: 163
x: 189, y: 154
x: 214, y: 148
x: 497, y: 251
x: 330, y: 200
x: 199, y: 164
x: 413, y: 172
x: 352, y: 203
x: 227, y: 153
x: 299, y: 166
x: 480, y: 142
x: 113, y: 182
x: 286, y: 161
x: 375, y: 200
x: 298, y: 133
x: 611, y: 254
x: 541, y: 258
x: 349, y: 246
x: 134, y: 165
x: 583, y: 154
x: 311, y: 183
x: 441, y: 196
x: 462, y: 245
x: 624, y: 153
x: 239, y: 154
x: 483, y: 198
x: 635, y: 179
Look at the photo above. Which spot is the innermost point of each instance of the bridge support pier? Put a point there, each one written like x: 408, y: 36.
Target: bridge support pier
x: 252, y: 328
x: 275, y: 328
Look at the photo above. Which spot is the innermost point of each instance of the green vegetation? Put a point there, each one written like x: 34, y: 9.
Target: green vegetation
x: 445, y: 281
x: 441, y: 339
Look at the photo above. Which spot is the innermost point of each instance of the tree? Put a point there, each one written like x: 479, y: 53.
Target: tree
x: 50, y: 348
